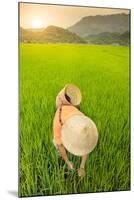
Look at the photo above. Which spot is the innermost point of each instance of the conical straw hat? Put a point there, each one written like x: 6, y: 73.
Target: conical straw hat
x: 79, y: 135
x: 74, y: 94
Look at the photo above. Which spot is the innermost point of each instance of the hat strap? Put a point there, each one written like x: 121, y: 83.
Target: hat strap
x: 60, y: 120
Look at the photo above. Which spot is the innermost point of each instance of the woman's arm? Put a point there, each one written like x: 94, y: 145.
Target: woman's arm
x: 64, y: 156
x: 81, y: 170
x: 83, y: 161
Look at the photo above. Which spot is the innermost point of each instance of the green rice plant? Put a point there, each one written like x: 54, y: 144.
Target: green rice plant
x: 102, y: 74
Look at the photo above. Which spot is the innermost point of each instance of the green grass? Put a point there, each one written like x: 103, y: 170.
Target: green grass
x: 102, y: 74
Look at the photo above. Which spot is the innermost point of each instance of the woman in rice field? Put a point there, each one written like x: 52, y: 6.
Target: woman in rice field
x: 73, y: 131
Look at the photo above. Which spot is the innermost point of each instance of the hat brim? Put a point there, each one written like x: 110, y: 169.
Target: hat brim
x: 79, y: 135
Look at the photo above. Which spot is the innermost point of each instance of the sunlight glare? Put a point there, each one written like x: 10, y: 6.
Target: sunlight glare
x: 37, y: 23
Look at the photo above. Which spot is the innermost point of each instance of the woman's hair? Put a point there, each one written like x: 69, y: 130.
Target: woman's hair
x: 67, y: 98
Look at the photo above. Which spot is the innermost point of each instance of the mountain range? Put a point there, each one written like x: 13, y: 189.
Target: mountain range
x: 99, y: 29
x: 51, y: 34
x: 101, y: 23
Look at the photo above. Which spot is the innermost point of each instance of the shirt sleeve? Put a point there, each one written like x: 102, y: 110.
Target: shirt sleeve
x: 57, y: 129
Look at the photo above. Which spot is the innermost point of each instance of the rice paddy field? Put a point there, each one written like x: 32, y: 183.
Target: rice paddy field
x: 102, y: 74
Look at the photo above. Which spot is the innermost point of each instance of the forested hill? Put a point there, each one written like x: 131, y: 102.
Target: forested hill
x: 91, y: 25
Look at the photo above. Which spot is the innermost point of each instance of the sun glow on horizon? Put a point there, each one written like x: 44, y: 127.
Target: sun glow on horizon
x: 38, y: 16
x: 37, y: 23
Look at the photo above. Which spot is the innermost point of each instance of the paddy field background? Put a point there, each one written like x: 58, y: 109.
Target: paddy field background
x: 103, y: 75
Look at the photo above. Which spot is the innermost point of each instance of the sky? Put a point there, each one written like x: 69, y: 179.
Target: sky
x: 43, y: 15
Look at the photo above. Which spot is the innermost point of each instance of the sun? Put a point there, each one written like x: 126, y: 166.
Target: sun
x: 37, y: 23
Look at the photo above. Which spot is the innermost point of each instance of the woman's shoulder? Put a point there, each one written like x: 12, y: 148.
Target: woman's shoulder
x: 69, y: 106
